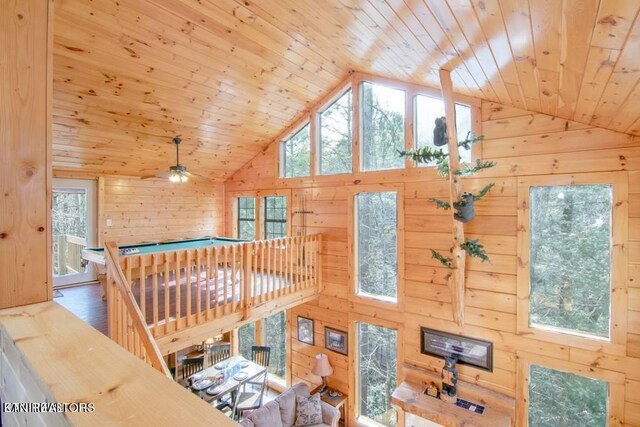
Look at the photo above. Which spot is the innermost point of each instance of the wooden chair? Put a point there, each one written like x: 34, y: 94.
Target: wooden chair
x: 261, y: 356
x: 191, y: 366
x: 249, y: 400
x: 219, y: 353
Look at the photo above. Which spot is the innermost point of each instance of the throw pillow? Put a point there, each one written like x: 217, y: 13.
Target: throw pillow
x: 308, y: 410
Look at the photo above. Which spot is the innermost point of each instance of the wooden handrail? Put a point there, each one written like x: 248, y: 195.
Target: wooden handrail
x: 118, y: 279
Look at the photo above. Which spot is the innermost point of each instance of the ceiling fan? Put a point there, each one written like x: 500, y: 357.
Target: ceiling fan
x: 177, y: 173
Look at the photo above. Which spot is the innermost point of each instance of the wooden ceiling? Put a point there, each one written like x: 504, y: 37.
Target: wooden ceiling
x: 230, y: 75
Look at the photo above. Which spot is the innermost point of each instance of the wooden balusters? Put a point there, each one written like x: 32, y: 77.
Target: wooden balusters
x: 207, y: 252
x: 187, y: 274
x: 154, y: 291
x: 167, y: 293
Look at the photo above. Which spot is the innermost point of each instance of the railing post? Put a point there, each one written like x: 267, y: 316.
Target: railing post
x: 318, y: 263
x: 246, y: 279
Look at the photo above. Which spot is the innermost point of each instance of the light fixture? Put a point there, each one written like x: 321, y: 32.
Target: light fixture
x: 323, y: 369
x: 178, y: 174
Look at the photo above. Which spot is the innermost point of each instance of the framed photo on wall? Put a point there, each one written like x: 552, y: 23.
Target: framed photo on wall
x: 305, y: 330
x: 335, y: 340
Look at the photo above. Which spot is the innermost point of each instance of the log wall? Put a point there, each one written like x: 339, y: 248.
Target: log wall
x: 155, y: 210
x: 522, y: 143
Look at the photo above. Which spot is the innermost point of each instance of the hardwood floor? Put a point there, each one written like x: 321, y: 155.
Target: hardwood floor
x: 85, y: 301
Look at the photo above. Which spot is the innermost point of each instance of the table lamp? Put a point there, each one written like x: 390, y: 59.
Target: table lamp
x: 323, y: 369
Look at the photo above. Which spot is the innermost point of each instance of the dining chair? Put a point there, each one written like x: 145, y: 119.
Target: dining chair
x: 249, y: 400
x: 219, y: 353
x: 192, y: 365
x: 260, y: 355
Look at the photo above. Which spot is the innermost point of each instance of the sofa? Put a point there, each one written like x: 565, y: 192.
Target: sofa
x: 282, y: 411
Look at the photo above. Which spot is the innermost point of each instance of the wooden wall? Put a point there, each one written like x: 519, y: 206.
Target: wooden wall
x: 25, y: 143
x: 522, y: 143
x: 154, y: 210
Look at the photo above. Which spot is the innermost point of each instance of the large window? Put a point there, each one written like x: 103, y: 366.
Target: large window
x: 377, y: 373
x: 276, y: 338
x: 296, y: 154
x: 246, y: 218
x: 275, y: 217
x: 383, y: 115
x: 335, y: 124
x: 427, y: 110
x: 377, y: 244
x: 571, y: 269
x: 559, y: 398
x: 246, y: 340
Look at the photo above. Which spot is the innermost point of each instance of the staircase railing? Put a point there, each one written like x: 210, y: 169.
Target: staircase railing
x: 126, y: 323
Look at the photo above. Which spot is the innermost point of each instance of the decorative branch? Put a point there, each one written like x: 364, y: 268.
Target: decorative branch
x: 471, y: 139
x: 483, y: 192
x: 475, y: 249
x: 446, y: 261
x: 468, y: 170
x: 441, y: 203
x: 424, y: 154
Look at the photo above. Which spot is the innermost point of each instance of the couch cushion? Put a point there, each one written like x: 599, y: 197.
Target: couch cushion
x: 308, y: 410
x: 267, y: 416
x: 287, y: 402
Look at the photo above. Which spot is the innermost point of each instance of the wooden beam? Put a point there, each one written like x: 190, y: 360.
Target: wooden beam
x: 456, y: 279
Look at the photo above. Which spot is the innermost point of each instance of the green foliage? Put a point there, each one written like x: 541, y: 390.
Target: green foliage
x: 566, y: 400
x: 441, y: 203
x: 466, y: 169
x: 483, y: 192
x: 276, y: 338
x: 246, y: 339
x: 297, y: 157
x: 377, y: 363
x: 335, y: 137
x: 446, y: 261
x: 570, y: 257
x: 475, y: 249
x: 377, y: 244
x: 428, y: 155
x: 470, y: 139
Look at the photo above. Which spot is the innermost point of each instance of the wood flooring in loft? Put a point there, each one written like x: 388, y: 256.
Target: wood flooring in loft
x: 85, y: 301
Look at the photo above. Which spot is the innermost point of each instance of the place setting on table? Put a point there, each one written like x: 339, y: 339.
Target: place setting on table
x: 223, y: 377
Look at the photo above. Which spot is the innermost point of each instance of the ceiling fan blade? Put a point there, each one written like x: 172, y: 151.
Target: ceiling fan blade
x: 190, y: 174
x: 160, y: 175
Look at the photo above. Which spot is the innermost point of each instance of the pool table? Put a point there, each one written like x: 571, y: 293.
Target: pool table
x: 96, y: 255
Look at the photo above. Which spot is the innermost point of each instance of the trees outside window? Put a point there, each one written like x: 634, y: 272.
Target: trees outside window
x: 383, y: 116
x: 335, y: 127
x: 246, y: 218
x: 427, y: 110
x: 559, y: 398
x: 376, y: 232
x: 570, y: 258
x: 275, y: 217
x: 377, y: 373
x: 246, y: 340
x: 276, y: 338
x: 296, y: 157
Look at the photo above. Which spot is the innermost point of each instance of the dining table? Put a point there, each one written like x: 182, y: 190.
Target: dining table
x: 224, y: 378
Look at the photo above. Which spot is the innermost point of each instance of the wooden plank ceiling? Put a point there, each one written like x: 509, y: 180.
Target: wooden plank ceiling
x: 230, y: 75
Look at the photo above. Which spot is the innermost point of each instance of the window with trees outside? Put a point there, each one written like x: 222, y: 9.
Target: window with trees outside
x: 376, y: 231
x: 246, y: 218
x: 427, y: 110
x: 377, y: 373
x: 335, y: 127
x: 246, y: 340
x: 275, y: 217
x: 558, y: 398
x: 383, y: 116
x: 296, y: 157
x: 570, y: 258
x: 276, y: 338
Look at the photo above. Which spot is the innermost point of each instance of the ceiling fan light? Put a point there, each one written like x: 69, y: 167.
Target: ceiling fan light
x: 174, y: 177
x: 183, y: 178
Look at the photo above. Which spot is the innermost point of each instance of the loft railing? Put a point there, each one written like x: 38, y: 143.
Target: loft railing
x: 126, y: 323
x: 180, y: 289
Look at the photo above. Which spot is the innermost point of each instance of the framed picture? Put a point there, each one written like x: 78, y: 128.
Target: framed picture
x: 468, y: 351
x: 335, y: 340
x: 305, y: 330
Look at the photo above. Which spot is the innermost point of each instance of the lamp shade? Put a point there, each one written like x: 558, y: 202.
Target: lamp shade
x: 322, y: 368
x: 209, y: 341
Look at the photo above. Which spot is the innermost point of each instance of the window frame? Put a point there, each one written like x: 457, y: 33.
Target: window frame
x: 282, y: 148
x: 616, y: 344
x: 239, y: 219
x: 615, y: 380
x: 407, y: 125
x: 317, y: 124
x: 265, y: 218
x: 372, y: 300
x: 354, y: 401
